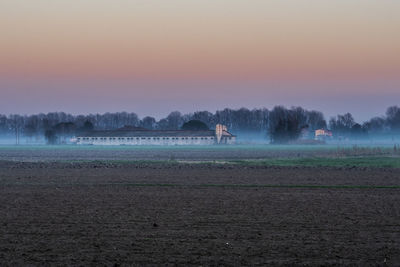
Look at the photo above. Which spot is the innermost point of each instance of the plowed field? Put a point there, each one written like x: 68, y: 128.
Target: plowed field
x: 96, y: 213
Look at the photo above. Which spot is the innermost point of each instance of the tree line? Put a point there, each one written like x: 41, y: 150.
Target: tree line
x: 278, y: 125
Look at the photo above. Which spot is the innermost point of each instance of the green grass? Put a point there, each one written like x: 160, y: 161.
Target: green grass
x: 375, y: 162
x: 325, y: 155
x: 342, y: 150
x: 379, y: 162
x: 261, y: 147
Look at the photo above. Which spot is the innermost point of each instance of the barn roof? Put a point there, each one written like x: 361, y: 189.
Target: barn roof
x: 147, y: 133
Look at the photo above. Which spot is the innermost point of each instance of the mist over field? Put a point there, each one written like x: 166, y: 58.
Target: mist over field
x: 279, y: 125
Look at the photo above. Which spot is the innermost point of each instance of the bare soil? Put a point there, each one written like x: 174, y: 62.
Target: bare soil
x: 54, y: 213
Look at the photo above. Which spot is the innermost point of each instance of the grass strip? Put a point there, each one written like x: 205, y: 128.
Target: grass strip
x: 344, y: 162
x: 380, y: 162
x: 348, y: 162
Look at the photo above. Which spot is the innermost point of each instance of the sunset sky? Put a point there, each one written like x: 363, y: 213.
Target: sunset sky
x: 155, y: 56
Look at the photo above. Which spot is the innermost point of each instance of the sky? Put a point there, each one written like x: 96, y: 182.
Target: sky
x: 155, y: 56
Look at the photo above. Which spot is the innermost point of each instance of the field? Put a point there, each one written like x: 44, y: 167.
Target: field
x: 189, y: 153
x: 240, y: 205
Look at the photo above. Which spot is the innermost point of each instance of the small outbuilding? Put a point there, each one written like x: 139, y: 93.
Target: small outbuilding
x: 322, y: 134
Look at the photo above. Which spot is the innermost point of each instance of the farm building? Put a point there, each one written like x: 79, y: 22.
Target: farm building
x: 141, y: 136
x: 322, y: 134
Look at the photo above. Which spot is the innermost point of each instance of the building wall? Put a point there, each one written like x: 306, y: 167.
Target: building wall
x: 210, y: 140
x: 228, y: 140
x: 231, y: 140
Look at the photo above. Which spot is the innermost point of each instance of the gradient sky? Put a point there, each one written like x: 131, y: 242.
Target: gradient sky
x: 156, y: 56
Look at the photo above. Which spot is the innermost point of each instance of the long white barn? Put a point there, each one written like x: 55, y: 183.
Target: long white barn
x: 136, y: 136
